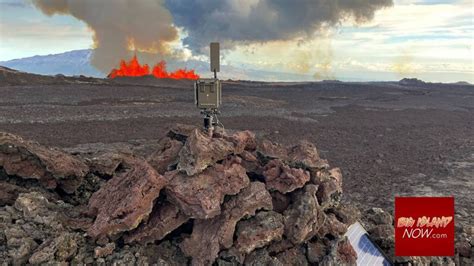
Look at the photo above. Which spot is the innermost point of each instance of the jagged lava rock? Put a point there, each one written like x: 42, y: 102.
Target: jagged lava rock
x: 201, y: 196
x: 200, y: 151
x: 304, y: 154
x: 126, y: 199
x: 267, y: 151
x: 30, y: 160
x: 212, y: 235
x: 281, y: 177
x: 107, y: 163
x: 341, y: 253
x: 329, y: 193
x: 261, y: 257
x: 243, y: 140
x: 60, y: 249
x: 164, y: 218
x: 9, y: 193
x: 259, y: 231
x: 166, y: 156
x: 304, y: 216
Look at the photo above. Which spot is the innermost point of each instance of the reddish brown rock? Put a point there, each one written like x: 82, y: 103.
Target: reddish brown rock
x: 280, y: 201
x: 261, y: 257
x: 200, y: 196
x: 304, y: 154
x: 340, y: 252
x: 304, y: 217
x: 9, y: 193
x: 126, y: 199
x: 293, y: 256
x: 268, y: 150
x: 332, y: 226
x: 106, y: 164
x: 200, y: 151
x: 251, y: 164
x: 30, y: 160
x: 279, y: 246
x: 212, y: 235
x: 329, y: 193
x: 100, y: 252
x: 346, y: 253
x: 281, y: 177
x: 315, y: 251
x: 163, y: 220
x: 180, y: 132
x: 166, y: 156
x: 243, y: 140
x: 259, y: 231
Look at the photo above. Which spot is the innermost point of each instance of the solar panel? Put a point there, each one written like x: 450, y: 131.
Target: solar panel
x: 367, y: 252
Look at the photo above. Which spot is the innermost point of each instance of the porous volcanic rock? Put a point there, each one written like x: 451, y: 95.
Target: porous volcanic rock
x: 210, y: 236
x: 201, y: 196
x: 163, y: 220
x: 243, y: 140
x: 281, y: 177
x: 258, y: 231
x: 305, y: 154
x: 304, y: 217
x: 330, y: 192
x: 268, y: 151
x: 105, y: 164
x: 200, y: 151
x: 9, y: 193
x: 236, y: 199
x: 126, y: 199
x: 167, y: 156
x: 29, y: 160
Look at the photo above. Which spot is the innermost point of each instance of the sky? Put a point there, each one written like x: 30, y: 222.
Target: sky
x: 430, y: 40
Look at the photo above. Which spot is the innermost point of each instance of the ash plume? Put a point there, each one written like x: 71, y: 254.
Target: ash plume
x: 244, y: 21
x: 119, y: 26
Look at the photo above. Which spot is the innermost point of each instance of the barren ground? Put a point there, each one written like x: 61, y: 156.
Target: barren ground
x: 389, y: 139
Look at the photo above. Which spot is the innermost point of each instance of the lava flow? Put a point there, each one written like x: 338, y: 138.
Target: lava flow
x: 134, y: 69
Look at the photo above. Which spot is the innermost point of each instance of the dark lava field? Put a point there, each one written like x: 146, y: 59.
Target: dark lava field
x: 389, y: 138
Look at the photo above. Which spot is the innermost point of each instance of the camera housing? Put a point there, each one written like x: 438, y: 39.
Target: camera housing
x: 208, y: 93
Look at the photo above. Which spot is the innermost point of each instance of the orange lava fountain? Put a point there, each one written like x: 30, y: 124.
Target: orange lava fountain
x: 134, y: 69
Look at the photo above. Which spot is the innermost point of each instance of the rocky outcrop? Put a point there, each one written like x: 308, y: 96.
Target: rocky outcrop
x: 282, y: 178
x: 210, y: 236
x: 259, y: 231
x: 167, y: 156
x: 9, y: 193
x: 304, y: 217
x: 200, y: 151
x: 163, y: 220
x: 29, y: 160
x: 201, y: 196
x: 126, y: 199
x: 225, y: 199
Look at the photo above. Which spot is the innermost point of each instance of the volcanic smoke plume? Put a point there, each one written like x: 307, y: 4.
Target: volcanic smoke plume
x: 119, y: 26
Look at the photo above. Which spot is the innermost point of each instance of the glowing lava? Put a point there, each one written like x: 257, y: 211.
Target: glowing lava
x: 130, y: 69
x: 134, y: 69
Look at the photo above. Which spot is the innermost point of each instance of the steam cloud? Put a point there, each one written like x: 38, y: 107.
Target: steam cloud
x: 240, y: 21
x: 118, y: 26
x: 149, y: 25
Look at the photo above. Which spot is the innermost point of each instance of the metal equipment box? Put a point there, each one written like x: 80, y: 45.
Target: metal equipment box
x: 207, y: 93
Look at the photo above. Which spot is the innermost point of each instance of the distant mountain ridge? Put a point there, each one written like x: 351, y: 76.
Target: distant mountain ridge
x: 70, y: 63
x: 77, y: 62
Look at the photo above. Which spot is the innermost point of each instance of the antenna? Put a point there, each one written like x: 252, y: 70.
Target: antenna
x: 215, y: 58
x: 207, y: 92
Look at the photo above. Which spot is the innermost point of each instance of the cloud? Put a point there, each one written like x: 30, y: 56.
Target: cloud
x: 119, y: 26
x: 239, y: 22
